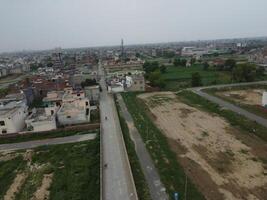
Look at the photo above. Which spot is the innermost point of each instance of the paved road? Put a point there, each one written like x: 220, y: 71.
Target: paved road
x: 225, y: 104
x: 117, y: 179
x: 156, y: 188
x: 229, y: 85
x: 51, y: 141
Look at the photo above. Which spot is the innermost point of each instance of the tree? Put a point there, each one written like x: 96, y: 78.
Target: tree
x: 176, y: 62
x: 150, y: 66
x: 206, y: 66
x: 244, y: 73
x: 196, y: 79
x: 163, y: 69
x: 260, y: 71
x: 229, y: 64
x: 192, y: 61
x: 183, y: 62
x: 88, y: 82
x: 156, y: 79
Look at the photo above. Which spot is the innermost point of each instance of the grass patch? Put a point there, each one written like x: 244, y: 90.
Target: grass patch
x: 171, y: 173
x: 8, y: 171
x: 45, y: 135
x: 247, y: 126
x: 75, y: 168
x: 180, y: 77
x: 139, y: 177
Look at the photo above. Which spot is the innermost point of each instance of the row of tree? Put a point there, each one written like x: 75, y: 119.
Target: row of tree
x: 154, y: 73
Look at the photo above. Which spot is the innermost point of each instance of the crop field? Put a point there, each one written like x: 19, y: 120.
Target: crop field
x: 222, y: 161
x: 249, y: 97
x: 176, y: 77
x: 68, y: 171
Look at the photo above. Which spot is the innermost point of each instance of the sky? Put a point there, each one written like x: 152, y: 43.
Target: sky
x: 46, y: 24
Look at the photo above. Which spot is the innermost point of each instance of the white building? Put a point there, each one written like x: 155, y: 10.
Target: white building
x: 53, y: 101
x: 75, y: 108
x: 13, y: 112
x: 39, y: 121
x: 264, y: 99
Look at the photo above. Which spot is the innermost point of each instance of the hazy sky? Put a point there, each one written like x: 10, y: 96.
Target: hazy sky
x: 45, y: 24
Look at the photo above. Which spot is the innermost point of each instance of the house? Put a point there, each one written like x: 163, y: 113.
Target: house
x: 52, y: 102
x: 75, y: 108
x: 264, y: 99
x: 92, y: 93
x: 38, y: 120
x: 135, y: 83
x: 13, y: 112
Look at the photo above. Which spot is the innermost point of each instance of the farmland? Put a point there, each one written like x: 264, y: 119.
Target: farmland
x: 179, y: 77
x: 249, y: 97
x: 68, y: 171
x: 222, y: 160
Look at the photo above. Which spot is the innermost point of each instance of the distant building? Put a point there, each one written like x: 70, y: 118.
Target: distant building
x: 13, y: 111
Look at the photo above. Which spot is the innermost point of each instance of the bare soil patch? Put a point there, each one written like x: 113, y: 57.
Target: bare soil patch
x: 217, y: 157
x: 15, y: 186
x: 249, y: 96
x: 42, y: 193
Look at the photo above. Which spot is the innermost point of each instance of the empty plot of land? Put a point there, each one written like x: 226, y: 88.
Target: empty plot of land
x: 221, y: 161
x: 249, y: 96
x: 67, y: 171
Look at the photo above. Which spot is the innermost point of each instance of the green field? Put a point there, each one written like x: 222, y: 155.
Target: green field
x: 180, y: 77
x: 74, y: 169
x: 171, y: 173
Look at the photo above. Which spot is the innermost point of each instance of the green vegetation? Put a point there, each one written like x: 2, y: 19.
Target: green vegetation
x: 45, y: 135
x: 247, y: 126
x: 139, y: 178
x: 171, y: 173
x: 74, y: 171
x: 3, y: 92
x: 196, y: 80
x: 8, y: 171
x: 180, y: 77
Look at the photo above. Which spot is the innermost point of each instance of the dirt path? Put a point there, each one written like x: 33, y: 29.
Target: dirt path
x: 15, y: 186
x: 42, y: 193
x: 223, y: 166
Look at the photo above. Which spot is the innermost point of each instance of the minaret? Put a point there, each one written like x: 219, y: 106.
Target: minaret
x: 122, y: 51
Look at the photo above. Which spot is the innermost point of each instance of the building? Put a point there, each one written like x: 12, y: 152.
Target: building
x: 92, y: 93
x: 75, y: 108
x: 52, y: 102
x: 13, y: 112
x: 135, y: 83
x: 264, y: 99
x: 38, y: 120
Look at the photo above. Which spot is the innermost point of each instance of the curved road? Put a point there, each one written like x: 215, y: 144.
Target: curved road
x: 260, y: 120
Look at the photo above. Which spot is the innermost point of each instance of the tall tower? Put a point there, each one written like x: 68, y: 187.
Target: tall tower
x: 122, y: 51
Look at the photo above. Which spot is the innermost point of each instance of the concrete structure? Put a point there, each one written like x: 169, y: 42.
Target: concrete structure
x: 92, y: 93
x: 75, y: 108
x: 13, y: 111
x: 52, y: 102
x: 135, y: 83
x: 264, y: 99
x: 39, y: 121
